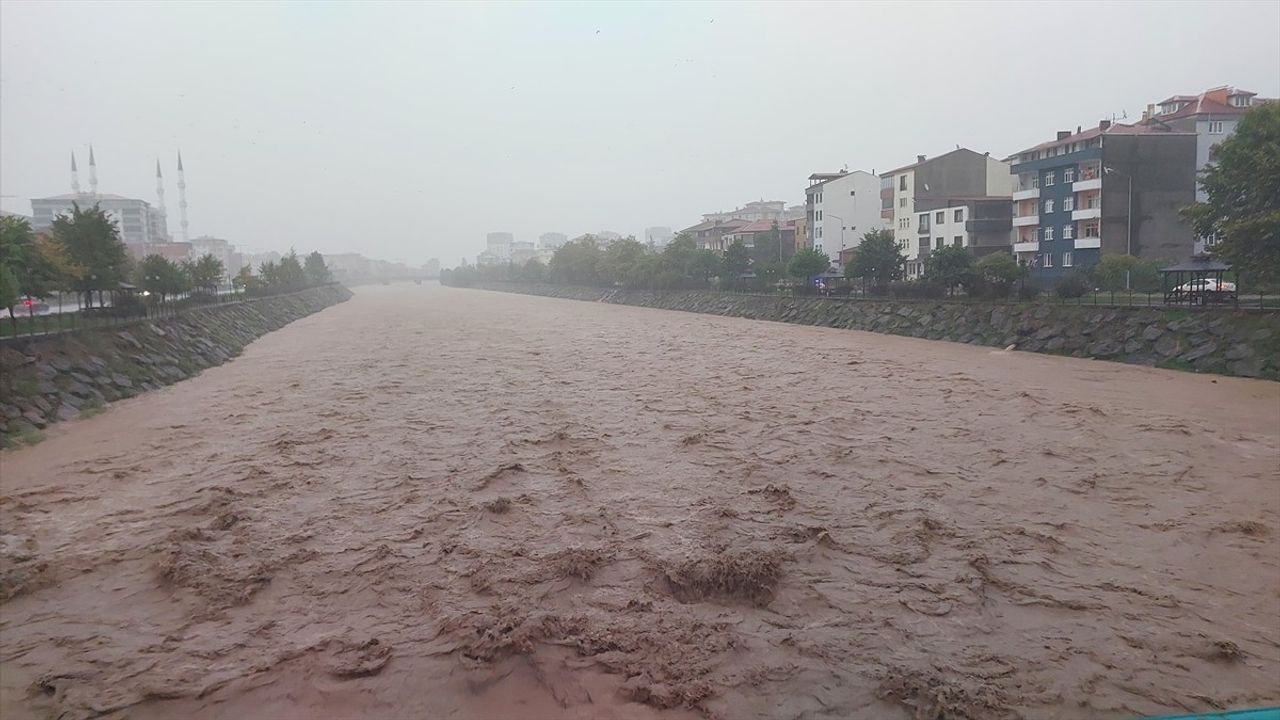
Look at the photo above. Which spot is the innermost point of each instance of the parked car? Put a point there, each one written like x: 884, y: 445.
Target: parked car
x: 1207, y: 285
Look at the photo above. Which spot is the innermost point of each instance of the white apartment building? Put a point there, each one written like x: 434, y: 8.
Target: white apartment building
x: 839, y: 209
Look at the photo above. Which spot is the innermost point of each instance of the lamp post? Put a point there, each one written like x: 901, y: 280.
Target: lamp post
x: 1128, y: 236
x: 841, y: 237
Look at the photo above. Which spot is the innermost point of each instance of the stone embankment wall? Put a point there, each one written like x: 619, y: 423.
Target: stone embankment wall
x: 46, y: 380
x: 1222, y: 341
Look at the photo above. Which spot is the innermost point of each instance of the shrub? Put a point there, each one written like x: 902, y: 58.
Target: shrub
x: 1028, y: 292
x: 1070, y: 286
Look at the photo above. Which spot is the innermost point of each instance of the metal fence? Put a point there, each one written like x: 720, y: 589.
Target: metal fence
x: 125, y: 309
x: 1100, y: 298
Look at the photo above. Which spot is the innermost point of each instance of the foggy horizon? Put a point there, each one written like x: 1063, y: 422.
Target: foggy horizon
x: 407, y: 132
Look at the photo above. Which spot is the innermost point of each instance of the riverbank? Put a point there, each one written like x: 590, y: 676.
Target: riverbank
x: 57, y: 378
x: 1220, y: 341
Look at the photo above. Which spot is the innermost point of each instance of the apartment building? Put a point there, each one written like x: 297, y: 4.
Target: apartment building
x: 840, y: 208
x: 980, y: 224
x: 1111, y: 189
x: 1212, y: 116
x: 946, y: 182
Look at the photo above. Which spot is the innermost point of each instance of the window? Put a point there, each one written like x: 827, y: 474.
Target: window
x: 1239, y: 101
x: 958, y: 241
x: 902, y: 202
x: 1048, y: 260
x: 939, y: 217
x: 1068, y: 231
x: 1048, y: 233
x: 938, y: 243
x: 819, y: 214
x: 1048, y: 206
x: 959, y: 215
x: 902, y: 183
x: 1069, y: 175
x: 1048, y: 178
x: 1215, y: 127
x: 1066, y: 259
x: 819, y: 231
x: 1068, y: 203
x: 1091, y: 230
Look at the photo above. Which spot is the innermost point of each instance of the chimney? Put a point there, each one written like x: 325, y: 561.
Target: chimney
x: 1064, y: 134
x: 919, y: 158
x: 1078, y: 129
x: 1103, y: 125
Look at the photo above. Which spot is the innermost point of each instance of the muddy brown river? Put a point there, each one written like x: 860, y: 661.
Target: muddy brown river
x: 432, y: 503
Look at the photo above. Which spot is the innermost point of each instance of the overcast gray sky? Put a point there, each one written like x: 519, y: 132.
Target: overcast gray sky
x: 408, y: 131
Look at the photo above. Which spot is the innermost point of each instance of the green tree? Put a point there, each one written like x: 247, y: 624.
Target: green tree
x: 808, y: 263
x: 769, y: 273
x: 92, y: 243
x: 533, y: 271
x: 878, y: 258
x: 315, y: 269
x: 576, y: 262
x: 8, y: 291
x: 1000, y: 270
x: 290, y: 275
x: 206, y: 272
x: 245, y: 281
x: 619, y: 261
x: 38, y: 265
x: 950, y: 267
x: 1243, y: 187
x: 705, y: 265
x: 767, y: 247
x: 162, y: 278
x: 1111, y: 270
x: 736, y: 262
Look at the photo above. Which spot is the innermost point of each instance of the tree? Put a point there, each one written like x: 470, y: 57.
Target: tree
x: 533, y: 271
x: 289, y: 272
x: 807, y: 263
x: 768, y: 247
x: 576, y: 262
x: 1000, y: 270
x: 705, y: 265
x: 245, y: 281
x: 8, y: 291
x: 736, y: 261
x: 1109, y: 273
x: 950, y: 267
x: 92, y: 243
x: 162, y: 278
x: 1243, y: 188
x: 37, y: 265
x: 769, y: 273
x: 205, y: 273
x: 619, y: 261
x: 878, y: 258
x: 315, y: 269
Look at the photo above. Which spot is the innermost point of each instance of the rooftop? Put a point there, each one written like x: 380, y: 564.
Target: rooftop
x: 923, y: 159
x: 1103, y: 128
x: 86, y: 197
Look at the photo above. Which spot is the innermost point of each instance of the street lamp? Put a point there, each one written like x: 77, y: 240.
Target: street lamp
x: 1128, y: 236
x: 841, y: 236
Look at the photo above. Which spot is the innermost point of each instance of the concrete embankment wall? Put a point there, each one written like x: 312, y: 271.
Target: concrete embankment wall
x: 46, y: 380
x: 1221, y: 341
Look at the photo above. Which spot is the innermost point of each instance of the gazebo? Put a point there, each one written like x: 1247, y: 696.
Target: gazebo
x: 1196, y: 281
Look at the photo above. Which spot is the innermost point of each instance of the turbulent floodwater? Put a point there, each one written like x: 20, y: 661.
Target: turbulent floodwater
x: 429, y: 502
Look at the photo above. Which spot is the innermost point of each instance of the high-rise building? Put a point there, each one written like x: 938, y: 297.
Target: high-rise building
x: 139, y: 223
x: 552, y: 240
x: 1112, y: 189
x: 928, y: 184
x: 498, y: 245
x: 840, y: 208
x: 658, y: 235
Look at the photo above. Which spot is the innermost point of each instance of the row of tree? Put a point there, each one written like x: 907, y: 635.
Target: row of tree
x: 83, y: 253
x: 631, y: 264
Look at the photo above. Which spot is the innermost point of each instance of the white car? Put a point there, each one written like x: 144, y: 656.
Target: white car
x: 1207, y: 285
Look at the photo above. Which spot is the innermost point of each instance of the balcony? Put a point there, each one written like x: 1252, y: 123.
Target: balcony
x: 1026, y: 220
x: 1028, y: 194
x: 1090, y: 184
x: 1088, y: 243
x: 1092, y: 213
x: 1026, y: 247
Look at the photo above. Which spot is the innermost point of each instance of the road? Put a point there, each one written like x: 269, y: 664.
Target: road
x: 430, y: 502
